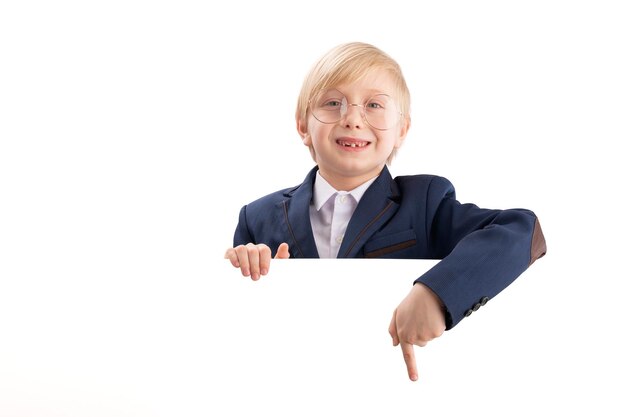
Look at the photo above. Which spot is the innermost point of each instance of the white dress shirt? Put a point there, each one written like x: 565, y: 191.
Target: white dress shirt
x: 330, y: 212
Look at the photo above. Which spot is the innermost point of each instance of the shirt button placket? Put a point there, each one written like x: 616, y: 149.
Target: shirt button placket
x: 341, y: 217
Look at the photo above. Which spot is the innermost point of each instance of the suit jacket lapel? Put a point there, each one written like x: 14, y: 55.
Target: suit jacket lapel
x: 376, y: 206
x: 295, y: 209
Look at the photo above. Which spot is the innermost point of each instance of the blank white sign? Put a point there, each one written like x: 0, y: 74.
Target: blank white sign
x: 309, y: 339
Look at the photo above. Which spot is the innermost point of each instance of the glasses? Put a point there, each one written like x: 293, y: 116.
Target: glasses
x: 379, y: 111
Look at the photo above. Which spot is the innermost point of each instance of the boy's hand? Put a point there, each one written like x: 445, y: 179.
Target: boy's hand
x: 417, y: 320
x: 254, y: 260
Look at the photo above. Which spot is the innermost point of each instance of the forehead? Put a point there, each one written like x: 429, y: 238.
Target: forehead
x: 375, y: 81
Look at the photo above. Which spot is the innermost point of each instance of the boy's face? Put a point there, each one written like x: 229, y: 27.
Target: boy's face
x: 351, y: 151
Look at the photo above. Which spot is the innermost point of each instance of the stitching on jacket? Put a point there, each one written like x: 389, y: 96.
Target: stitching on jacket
x: 293, y: 236
x: 367, y: 227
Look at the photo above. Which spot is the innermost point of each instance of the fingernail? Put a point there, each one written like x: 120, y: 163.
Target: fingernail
x: 264, y: 271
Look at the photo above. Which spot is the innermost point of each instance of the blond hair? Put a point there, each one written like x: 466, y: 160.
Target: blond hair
x: 347, y: 63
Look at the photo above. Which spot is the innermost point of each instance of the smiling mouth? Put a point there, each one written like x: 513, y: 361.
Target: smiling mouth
x: 352, y: 143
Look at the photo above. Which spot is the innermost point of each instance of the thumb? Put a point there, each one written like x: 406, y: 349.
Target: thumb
x: 282, y: 252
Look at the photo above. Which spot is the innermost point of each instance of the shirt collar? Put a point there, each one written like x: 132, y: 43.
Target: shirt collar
x: 322, y: 191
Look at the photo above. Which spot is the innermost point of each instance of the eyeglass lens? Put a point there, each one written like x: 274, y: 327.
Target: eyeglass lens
x: 380, y: 110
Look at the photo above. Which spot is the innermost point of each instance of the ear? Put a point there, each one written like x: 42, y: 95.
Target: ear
x: 403, y: 129
x: 302, y: 130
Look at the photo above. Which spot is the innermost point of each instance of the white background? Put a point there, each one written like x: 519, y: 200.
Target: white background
x: 131, y: 133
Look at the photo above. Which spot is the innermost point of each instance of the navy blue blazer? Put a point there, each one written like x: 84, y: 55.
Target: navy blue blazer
x: 411, y: 217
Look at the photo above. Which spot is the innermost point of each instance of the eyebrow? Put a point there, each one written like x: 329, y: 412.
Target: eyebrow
x: 368, y: 92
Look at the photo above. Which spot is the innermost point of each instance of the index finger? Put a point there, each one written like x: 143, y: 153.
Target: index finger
x: 409, y: 359
x: 231, y: 255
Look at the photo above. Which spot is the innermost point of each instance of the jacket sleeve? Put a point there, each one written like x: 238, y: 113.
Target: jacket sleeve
x: 482, y: 251
x: 242, y: 233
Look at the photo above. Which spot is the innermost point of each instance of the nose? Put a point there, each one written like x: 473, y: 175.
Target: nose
x: 353, y: 116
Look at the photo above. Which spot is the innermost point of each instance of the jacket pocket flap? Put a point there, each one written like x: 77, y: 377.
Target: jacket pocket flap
x: 383, y: 245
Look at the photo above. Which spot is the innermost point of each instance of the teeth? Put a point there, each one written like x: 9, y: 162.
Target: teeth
x: 353, y: 145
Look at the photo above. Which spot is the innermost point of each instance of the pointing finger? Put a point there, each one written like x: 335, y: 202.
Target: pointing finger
x: 409, y: 359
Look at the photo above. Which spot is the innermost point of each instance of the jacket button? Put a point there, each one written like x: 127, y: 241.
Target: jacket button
x: 476, y: 306
x: 484, y: 300
x: 468, y: 312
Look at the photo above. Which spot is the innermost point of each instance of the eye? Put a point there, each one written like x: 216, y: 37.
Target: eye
x: 332, y: 103
x: 379, y: 102
x: 376, y: 105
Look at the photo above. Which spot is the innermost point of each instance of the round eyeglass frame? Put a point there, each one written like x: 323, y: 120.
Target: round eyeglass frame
x: 347, y: 105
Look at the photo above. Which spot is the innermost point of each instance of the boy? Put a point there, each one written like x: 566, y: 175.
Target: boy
x: 353, y: 114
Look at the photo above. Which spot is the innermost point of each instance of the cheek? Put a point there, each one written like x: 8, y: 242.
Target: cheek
x: 312, y: 133
x: 389, y: 140
x: 318, y: 133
